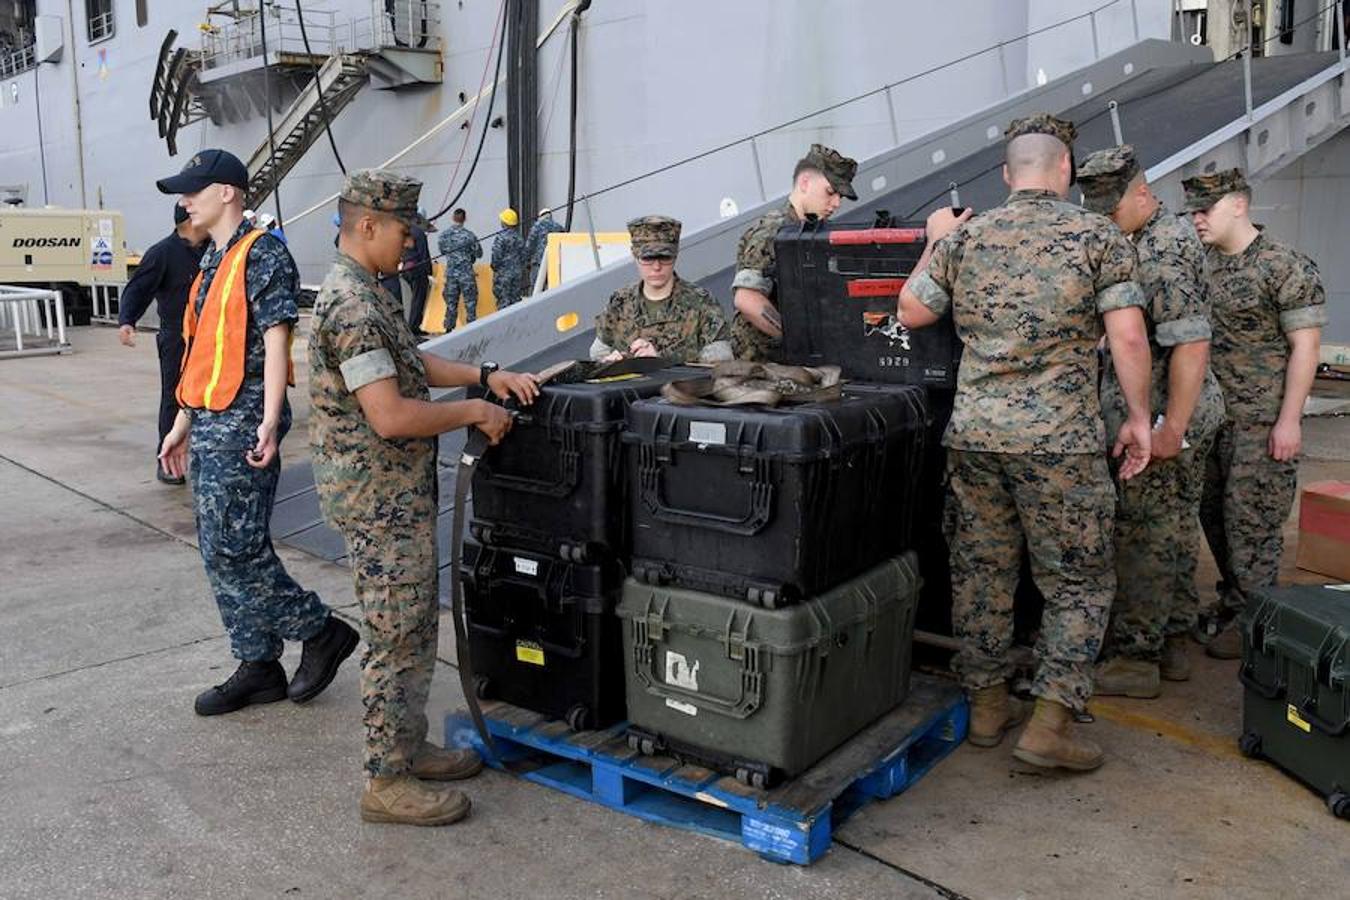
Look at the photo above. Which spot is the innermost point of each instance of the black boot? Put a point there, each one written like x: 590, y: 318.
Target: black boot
x: 320, y: 659
x: 252, y: 682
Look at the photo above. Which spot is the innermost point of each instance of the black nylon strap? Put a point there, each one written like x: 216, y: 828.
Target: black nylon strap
x: 468, y: 460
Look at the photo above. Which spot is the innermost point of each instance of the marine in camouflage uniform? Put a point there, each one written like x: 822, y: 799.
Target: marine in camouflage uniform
x: 1028, y: 284
x: 756, y: 257
x: 1260, y: 297
x: 459, y: 247
x: 686, y: 325
x: 379, y: 493
x: 1156, y: 529
x: 508, y: 267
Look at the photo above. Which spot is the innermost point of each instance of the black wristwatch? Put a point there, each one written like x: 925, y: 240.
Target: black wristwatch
x: 484, y: 371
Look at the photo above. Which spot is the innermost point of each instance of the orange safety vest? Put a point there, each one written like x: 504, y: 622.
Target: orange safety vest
x: 213, y: 361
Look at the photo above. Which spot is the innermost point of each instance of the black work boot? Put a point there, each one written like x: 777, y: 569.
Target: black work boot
x: 252, y: 682
x: 320, y: 659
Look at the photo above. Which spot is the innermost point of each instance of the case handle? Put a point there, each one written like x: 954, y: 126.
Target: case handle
x: 566, y: 483
x: 1266, y: 691
x: 741, y: 707
x: 651, y: 478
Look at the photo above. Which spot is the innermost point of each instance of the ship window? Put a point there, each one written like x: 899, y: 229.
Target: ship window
x: 142, y: 14
x: 99, y: 19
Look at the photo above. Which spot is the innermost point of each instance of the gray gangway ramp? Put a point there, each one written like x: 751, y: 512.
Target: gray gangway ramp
x: 1183, y: 115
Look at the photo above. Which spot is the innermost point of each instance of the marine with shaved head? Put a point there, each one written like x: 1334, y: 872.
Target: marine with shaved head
x: 1031, y: 286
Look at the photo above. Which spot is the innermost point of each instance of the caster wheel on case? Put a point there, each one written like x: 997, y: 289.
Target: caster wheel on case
x: 1249, y: 745
x: 579, y: 717
x: 482, y: 687
x: 635, y: 743
x: 1339, y: 804
x: 647, y: 747
x: 758, y: 780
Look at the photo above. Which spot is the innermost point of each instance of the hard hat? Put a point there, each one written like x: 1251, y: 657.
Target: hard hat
x: 250, y: 215
x: 509, y: 217
x: 545, y: 212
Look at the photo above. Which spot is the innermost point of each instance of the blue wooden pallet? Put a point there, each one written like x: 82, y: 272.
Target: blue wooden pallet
x: 793, y: 822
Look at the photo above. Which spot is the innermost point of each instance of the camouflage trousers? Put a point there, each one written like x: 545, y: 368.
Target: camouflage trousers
x: 260, y: 604
x: 506, y: 288
x: 1190, y: 488
x: 400, y: 623
x: 1062, y: 504
x: 748, y: 342
x: 1157, y: 538
x: 455, y: 285
x: 1246, y: 500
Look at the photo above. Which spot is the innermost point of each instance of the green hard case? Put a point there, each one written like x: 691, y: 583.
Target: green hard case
x: 741, y: 687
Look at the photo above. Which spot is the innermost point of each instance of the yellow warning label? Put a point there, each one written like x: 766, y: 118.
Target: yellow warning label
x: 609, y: 379
x: 1296, y: 720
x: 530, y: 652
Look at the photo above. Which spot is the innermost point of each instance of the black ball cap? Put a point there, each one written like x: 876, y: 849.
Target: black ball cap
x: 205, y: 168
x: 180, y: 215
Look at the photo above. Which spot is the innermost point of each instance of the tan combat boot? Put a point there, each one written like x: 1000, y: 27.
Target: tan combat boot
x: 404, y: 800
x: 1120, y: 676
x: 992, y: 714
x: 435, y: 764
x: 1227, y: 644
x: 1176, y: 665
x: 1047, y: 742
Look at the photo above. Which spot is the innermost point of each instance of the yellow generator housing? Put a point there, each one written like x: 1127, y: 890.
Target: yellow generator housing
x: 53, y: 246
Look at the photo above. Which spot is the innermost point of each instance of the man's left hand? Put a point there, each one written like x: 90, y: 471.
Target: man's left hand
x: 1285, y: 442
x: 521, y: 385
x: 263, y: 452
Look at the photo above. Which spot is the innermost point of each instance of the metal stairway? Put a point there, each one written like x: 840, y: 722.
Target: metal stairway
x: 340, y: 78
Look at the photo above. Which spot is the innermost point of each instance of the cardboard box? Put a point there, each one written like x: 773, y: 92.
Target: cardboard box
x: 1324, y: 529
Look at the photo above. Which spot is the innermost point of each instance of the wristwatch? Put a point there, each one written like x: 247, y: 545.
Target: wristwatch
x: 484, y: 371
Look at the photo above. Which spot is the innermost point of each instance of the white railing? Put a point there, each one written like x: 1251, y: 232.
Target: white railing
x: 12, y: 64
x: 37, y: 319
x: 413, y: 24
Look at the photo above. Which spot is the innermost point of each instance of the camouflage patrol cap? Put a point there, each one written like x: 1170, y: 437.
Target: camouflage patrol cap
x: 1203, y: 191
x: 388, y: 192
x: 1042, y: 123
x: 1105, y: 175
x: 836, y: 167
x: 654, y: 237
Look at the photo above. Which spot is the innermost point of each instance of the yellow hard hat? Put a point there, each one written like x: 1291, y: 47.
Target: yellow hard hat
x: 509, y: 217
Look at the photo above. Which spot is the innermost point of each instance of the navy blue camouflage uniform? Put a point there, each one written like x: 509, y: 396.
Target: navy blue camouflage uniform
x: 260, y: 604
x: 459, y: 246
x: 508, y: 267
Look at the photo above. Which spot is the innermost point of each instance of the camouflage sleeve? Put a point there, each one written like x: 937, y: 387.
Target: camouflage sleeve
x: 356, y: 346
x: 1182, y: 313
x: 713, y: 326
x: 272, y: 282
x: 933, y: 286
x: 607, y: 322
x: 1116, y: 270
x: 1301, y: 298
x: 755, y: 258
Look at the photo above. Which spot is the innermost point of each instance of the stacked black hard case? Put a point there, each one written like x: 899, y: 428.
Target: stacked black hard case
x: 771, y: 610
x: 1296, y: 685
x: 544, y: 570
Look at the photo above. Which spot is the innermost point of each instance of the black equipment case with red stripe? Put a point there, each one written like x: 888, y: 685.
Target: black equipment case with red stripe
x: 838, y: 289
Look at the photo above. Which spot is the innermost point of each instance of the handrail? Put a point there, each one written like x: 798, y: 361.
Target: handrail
x: 33, y: 313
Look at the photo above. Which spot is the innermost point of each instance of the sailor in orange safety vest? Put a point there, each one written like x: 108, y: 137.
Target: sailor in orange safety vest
x: 233, y: 415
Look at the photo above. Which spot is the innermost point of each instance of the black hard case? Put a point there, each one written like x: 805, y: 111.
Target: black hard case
x: 555, y: 484
x: 543, y: 634
x: 1296, y: 678
x: 838, y: 291
x: 772, y: 505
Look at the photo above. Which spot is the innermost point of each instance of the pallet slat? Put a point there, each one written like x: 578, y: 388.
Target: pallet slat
x: 793, y: 822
